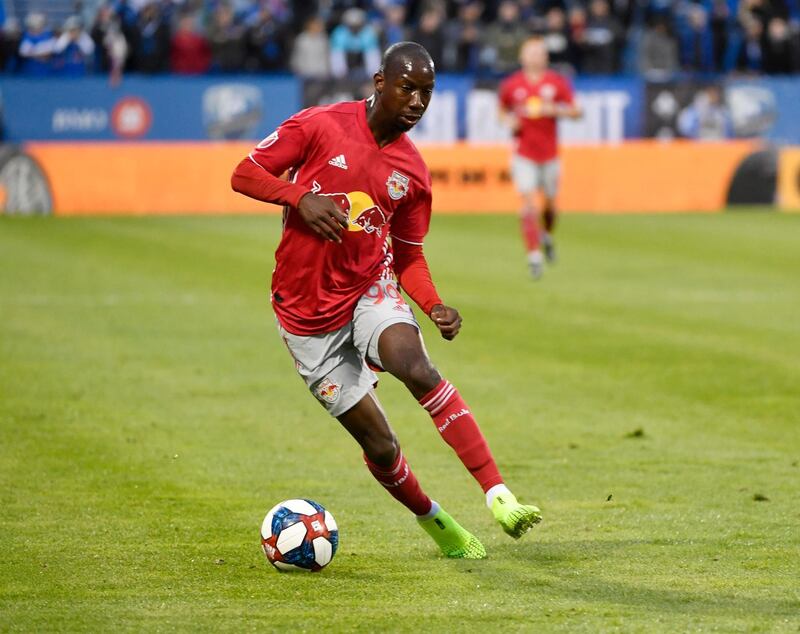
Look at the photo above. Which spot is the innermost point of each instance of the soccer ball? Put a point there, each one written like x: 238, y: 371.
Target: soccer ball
x: 299, y: 535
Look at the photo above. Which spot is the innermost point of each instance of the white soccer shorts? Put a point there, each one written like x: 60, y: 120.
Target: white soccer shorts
x: 529, y: 176
x: 334, y: 364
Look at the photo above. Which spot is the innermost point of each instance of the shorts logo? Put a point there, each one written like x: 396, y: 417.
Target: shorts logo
x: 327, y: 391
x: 397, y: 185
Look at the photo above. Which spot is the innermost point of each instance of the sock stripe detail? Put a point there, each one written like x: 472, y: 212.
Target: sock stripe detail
x: 444, y: 403
x: 385, y: 474
x: 437, y: 393
x: 398, y: 481
x: 440, y: 397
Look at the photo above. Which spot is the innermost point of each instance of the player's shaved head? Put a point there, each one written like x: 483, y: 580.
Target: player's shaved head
x: 404, y: 57
x: 403, y: 88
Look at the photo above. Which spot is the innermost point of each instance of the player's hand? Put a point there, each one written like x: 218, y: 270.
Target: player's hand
x: 447, y: 320
x: 548, y: 109
x: 323, y: 215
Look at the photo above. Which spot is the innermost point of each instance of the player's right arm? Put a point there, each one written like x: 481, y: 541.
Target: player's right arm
x: 505, y: 109
x: 258, y: 176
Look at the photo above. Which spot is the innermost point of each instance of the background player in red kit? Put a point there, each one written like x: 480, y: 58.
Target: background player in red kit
x: 357, y: 209
x: 531, y: 101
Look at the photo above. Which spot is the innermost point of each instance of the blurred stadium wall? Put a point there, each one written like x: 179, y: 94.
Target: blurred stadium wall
x: 168, y: 144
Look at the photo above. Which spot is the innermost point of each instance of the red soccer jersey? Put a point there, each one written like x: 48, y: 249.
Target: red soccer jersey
x: 537, y: 137
x: 330, y: 151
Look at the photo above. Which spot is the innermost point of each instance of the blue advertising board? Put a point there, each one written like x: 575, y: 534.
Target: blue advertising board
x: 163, y: 108
x: 767, y: 107
x: 250, y: 106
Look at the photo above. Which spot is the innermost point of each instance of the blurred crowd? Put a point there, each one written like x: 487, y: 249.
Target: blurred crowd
x: 339, y: 38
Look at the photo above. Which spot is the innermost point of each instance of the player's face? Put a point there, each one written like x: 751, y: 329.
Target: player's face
x: 405, y: 92
x: 533, y: 56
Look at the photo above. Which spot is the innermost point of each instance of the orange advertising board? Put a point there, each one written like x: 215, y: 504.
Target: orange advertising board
x: 170, y: 178
x: 144, y: 178
x: 789, y: 179
x: 639, y: 176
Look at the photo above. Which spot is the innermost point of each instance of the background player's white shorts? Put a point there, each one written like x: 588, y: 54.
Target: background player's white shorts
x: 529, y: 175
x: 334, y: 364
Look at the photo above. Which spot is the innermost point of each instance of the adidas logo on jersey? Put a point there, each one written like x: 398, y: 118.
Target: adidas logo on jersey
x: 338, y: 161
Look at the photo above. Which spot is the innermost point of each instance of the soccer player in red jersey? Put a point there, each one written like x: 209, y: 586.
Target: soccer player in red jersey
x: 357, y: 205
x: 531, y: 102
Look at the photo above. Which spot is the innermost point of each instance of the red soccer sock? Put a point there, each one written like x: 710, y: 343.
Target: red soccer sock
x: 460, y: 430
x: 401, y: 483
x: 530, y: 230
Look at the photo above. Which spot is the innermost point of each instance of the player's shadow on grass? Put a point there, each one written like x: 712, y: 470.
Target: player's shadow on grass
x: 548, y: 570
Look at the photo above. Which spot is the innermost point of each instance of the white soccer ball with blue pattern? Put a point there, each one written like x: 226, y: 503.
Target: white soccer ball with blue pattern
x: 299, y: 535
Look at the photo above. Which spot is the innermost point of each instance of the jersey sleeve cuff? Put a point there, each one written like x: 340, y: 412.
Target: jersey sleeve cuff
x: 294, y: 193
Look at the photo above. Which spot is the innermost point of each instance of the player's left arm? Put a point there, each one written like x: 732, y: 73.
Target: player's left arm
x: 408, y: 231
x: 566, y: 106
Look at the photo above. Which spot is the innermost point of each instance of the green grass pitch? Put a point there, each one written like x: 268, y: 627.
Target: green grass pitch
x: 645, y: 393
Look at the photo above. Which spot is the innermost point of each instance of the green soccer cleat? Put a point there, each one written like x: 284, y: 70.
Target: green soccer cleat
x: 454, y: 540
x: 515, y: 518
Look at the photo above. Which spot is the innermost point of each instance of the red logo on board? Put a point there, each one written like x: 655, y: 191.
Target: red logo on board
x: 131, y: 117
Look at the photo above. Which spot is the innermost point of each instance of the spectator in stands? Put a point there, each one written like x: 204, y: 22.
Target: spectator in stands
x: 720, y: 21
x: 10, y: 38
x: 745, y: 54
x: 760, y: 10
x: 394, y: 24
x: 73, y: 52
x: 658, y: 54
x: 624, y: 11
x: 463, y: 38
x: 354, y: 46
x: 111, y: 47
x: 503, y: 39
x: 190, y: 53
x: 226, y: 37
x: 576, y: 23
x: 265, y: 42
x: 557, y: 39
x: 707, y: 118
x: 128, y: 15
x: 151, y: 41
x: 600, y: 41
x: 311, y: 51
x: 430, y: 33
x: 782, y: 49
x: 279, y: 10
x: 696, y: 41
x: 36, y: 46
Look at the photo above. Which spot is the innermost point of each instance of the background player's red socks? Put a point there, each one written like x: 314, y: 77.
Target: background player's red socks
x: 400, y: 481
x: 530, y: 229
x: 460, y: 430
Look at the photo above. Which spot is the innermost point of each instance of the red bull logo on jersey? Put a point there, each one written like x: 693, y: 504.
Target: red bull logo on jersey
x: 327, y: 391
x: 397, y: 185
x: 370, y: 220
x: 363, y: 213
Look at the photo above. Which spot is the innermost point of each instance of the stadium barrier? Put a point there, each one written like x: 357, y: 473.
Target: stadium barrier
x: 176, y: 178
x: 789, y: 179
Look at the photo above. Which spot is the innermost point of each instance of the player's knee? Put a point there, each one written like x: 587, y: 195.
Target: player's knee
x: 382, y: 450
x: 422, y: 377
